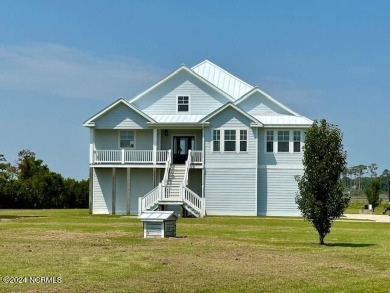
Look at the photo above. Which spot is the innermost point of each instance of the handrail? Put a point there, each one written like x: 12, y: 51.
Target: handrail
x: 149, y: 199
x: 187, y: 168
x: 167, y: 169
x: 129, y: 156
x: 193, y: 200
x: 197, y: 157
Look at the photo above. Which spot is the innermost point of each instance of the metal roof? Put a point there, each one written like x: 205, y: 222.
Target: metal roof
x: 177, y: 118
x: 283, y: 120
x: 157, y: 216
x: 222, y: 79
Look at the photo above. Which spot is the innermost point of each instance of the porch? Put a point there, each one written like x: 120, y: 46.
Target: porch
x: 144, y: 157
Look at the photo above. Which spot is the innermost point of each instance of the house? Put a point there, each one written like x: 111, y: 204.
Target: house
x: 201, y: 141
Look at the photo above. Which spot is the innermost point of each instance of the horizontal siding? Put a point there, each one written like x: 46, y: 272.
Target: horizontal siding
x: 231, y: 192
x: 109, y: 139
x: 102, y: 190
x: 277, y: 189
x: 163, y: 99
x: 276, y: 158
x: 231, y: 119
x: 141, y: 182
x: 259, y: 105
x: 121, y: 117
x: 167, y: 141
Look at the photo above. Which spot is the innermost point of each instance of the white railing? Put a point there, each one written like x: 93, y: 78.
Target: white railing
x: 187, y: 168
x: 149, y: 199
x: 182, y: 193
x: 196, y: 157
x: 167, y: 169
x: 193, y: 200
x: 106, y: 156
x: 130, y: 156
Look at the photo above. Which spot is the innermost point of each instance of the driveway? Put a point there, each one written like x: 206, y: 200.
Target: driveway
x: 364, y: 217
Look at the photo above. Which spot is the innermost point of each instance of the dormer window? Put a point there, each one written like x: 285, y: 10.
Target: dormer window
x: 183, y: 103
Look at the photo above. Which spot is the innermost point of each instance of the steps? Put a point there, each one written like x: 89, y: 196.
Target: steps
x: 176, y: 175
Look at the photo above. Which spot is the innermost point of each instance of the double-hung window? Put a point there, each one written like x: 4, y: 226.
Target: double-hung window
x: 229, y: 140
x: 243, y: 140
x: 127, y: 139
x: 216, y: 140
x: 283, y: 141
x: 270, y: 141
x: 297, y: 141
x: 183, y: 104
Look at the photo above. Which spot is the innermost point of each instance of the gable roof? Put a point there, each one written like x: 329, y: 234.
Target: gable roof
x: 91, y: 121
x: 222, y: 108
x: 256, y: 89
x: 183, y: 68
x: 224, y: 80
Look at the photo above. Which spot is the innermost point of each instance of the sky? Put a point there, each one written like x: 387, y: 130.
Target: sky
x: 62, y: 61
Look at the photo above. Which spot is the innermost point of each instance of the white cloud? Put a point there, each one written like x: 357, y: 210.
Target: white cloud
x: 68, y: 72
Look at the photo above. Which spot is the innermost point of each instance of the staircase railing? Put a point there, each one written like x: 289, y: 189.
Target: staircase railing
x: 193, y: 200
x: 187, y: 168
x: 167, y: 168
x: 149, y: 199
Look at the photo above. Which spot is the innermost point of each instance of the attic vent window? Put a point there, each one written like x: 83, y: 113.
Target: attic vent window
x: 183, y: 104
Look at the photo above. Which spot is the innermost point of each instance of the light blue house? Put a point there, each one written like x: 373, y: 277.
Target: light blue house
x: 201, y: 141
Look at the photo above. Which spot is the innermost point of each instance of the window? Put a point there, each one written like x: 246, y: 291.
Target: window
x: 297, y: 141
x: 243, y: 140
x: 216, y: 140
x: 183, y: 104
x: 270, y: 141
x: 283, y: 141
x: 127, y: 139
x: 230, y: 141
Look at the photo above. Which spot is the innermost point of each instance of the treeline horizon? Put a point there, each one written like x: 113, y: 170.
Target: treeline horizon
x: 30, y: 184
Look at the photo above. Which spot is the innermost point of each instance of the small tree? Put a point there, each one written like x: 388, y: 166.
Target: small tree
x: 372, y: 193
x: 320, y: 197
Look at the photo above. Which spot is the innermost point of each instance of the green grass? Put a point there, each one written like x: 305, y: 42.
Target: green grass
x: 355, y: 206
x: 94, y: 253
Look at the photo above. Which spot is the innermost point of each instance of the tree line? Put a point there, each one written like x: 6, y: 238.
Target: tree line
x: 30, y: 184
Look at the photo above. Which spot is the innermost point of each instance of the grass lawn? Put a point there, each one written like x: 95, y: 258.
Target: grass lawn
x: 93, y: 253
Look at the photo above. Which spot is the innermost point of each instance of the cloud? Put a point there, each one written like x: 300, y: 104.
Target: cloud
x: 67, y: 72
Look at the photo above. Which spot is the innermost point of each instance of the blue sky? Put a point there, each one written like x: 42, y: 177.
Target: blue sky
x: 63, y: 61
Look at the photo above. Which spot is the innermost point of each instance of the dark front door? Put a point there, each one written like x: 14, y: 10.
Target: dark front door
x: 181, y: 145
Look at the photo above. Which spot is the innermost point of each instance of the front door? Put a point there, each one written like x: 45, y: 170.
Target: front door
x: 181, y: 146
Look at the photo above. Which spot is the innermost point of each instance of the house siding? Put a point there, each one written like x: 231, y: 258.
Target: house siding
x: 121, y: 117
x: 109, y: 139
x: 230, y: 177
x: 276, y: 182
x: 163, y: 99
x: 167, y: 141
x: 141, y: 182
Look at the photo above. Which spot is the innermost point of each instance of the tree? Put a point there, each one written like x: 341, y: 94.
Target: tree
x: 321, y: 199
x: 372, y: 193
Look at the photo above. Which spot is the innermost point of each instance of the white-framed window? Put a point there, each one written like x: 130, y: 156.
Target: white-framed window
x: 127, y: 139
x: 270, y: 141
x: 216, y: 140
x: 283, y: 141
x: 229, y: 140
x: 243, y: 140
x: 297, y: 141
x: 183, y: 104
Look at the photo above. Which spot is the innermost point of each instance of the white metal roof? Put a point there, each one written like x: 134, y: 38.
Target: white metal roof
x: 177, y: 118
x: 157, y: 216
x: 222, y: 79
x: 283, y: 120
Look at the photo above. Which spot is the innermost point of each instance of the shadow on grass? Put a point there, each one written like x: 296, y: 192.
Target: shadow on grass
x: 349, y: 244
x: 14, y: 217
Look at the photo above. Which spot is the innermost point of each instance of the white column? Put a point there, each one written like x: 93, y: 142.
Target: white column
x: 154, y: 146
x: 91, y: 144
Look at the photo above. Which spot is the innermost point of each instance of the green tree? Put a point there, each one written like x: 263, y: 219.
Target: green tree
x: 321, y: 199
x: 372, y: 193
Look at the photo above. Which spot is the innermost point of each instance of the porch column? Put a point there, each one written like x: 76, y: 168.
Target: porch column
x: 113, y: 191
x: 91, y: 144
x: 203, y: 161
x: 154, y: 146
x: 90, y: 205
x: 128, y: 192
